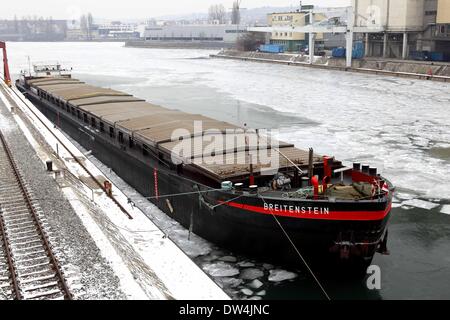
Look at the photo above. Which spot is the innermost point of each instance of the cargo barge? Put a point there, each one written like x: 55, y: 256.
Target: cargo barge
x: 236, y: 187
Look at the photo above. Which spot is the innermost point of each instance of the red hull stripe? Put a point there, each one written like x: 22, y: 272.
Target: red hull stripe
x: 318, y: 214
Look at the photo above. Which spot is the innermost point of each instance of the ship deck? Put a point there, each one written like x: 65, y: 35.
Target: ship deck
x: 221, y: 149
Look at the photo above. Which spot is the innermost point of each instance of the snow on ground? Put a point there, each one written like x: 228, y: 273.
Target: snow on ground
x: 130, y: 287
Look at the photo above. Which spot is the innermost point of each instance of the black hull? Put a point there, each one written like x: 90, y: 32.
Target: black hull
x: 244, y: 226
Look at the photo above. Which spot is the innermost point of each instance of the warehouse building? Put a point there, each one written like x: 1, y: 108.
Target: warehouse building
x: 411, y: 28
x: 226, y: 33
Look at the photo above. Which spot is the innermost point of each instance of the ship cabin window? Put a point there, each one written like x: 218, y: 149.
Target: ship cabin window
x: 111, y: 132
x: 145, y: 150
x: 102, y: 127
x: 78, y: 114
x: 121, y: 137
x: 73, y: 111
x: 93, y: 122
x: 67, y: 107
x: 85, y: 118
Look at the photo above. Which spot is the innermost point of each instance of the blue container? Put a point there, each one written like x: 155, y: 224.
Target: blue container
x: 358, y: 50
x: 271, y: 48
x: 419, y: 55
x: 437, y: 56
x: 338, y: 52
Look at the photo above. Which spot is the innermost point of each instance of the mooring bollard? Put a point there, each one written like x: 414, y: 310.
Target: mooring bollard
x: 108, y: 188
x: 49, y: 164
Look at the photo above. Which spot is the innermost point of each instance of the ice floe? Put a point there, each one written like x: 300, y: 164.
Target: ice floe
x: 281, y: 275
x: 228, y: 259
x: 256, y: 284
x: 251, y: 274
x: 420, y: 204
x: 261, y: 293
x: 246, y: 264
x: 268, y: 266
x: 221, y: 269
x: 230, y: 282
x: 404, y: 196
x: 247, y: 292
x: 446, y: 209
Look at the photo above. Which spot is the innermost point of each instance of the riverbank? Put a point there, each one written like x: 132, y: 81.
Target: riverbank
x: 156, y: 44
x: 400, y: 68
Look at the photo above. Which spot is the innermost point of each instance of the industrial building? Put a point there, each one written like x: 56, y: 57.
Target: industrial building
x: 407, y: 28
x: 404, y: 29
x: 226, y: 33
x: 292, y: 41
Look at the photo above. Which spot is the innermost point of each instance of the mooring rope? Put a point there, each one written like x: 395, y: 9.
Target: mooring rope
x: 297, y: 250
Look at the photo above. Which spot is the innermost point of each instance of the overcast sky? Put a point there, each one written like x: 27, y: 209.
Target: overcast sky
x: 133, y: 9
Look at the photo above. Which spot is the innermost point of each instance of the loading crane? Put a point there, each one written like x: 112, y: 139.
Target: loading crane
x: 6, y: 75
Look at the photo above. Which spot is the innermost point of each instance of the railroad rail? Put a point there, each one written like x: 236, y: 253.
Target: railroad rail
x: 29, y: 268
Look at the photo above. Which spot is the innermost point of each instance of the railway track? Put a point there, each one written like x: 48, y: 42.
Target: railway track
x: 28, y: 267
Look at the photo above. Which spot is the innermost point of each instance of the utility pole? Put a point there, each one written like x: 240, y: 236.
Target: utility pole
x: 29, y: 66
x: 312, y: 38
x: 349, y: 36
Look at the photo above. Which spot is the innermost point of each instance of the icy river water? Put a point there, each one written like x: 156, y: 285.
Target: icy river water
x: 402, y: 126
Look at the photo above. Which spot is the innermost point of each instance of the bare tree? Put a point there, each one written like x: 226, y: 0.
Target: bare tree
x: 217, y: 13
x: 250, y: 41
x: 236, y: 12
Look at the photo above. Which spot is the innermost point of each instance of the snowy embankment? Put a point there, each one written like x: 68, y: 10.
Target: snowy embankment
x: 149, y: 264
